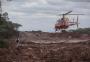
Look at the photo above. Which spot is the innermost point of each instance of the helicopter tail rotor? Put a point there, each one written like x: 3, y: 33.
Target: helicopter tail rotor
x: 77, y: 22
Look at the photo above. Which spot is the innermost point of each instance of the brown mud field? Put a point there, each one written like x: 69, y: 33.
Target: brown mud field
x: 48, y: 47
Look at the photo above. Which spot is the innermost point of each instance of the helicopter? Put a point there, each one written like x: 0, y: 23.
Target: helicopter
x: 64, y: 22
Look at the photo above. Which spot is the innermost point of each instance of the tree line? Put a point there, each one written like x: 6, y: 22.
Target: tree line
x: 81, y: 30
x: 7, y: 28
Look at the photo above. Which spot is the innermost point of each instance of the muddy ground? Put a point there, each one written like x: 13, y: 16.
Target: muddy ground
x: 48, y: 47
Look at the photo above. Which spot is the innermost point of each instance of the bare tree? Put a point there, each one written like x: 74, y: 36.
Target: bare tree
x: 1, y: 5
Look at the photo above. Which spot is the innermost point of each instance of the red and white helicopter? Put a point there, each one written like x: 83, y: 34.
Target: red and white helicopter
x: 64, y: 22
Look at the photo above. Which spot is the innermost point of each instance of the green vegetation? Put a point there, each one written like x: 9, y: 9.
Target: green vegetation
x: 7, y: 28
x: 3, y: 44
x: 82, y: 30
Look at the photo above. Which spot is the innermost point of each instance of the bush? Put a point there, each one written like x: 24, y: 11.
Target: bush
x: 7, y: 30
x: 82, y: 30
x: 3, y: 44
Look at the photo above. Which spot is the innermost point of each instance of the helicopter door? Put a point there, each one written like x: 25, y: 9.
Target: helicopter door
x: 66, y: 20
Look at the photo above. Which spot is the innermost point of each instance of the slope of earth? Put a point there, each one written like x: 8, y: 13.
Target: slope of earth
x: 56, y: 52
x: 48, y: 47
x: 45, y: 37
x: 51, y: 52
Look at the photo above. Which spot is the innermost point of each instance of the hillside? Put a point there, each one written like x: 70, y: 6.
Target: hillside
x: 48, y: 47
x: 46, y: 37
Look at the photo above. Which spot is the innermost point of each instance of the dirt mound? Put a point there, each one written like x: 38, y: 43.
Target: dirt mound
x: 57, y: 52
x: 54, y: 52
x: 45, y: 37
x: 48, y: 47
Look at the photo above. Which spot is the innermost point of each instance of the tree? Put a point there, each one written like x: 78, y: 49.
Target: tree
x: 7, y: 27
x: 82, y: 30
x: 1, y: 5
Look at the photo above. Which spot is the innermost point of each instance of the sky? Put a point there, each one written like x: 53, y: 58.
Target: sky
x: 43, y: 14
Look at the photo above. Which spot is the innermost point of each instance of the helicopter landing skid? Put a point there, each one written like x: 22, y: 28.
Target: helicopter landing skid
x: 61, y: 30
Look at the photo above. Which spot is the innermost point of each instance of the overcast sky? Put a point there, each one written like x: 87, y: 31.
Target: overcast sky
x: 43, y: 14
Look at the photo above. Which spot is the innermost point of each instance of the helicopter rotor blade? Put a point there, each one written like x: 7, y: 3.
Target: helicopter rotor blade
x: 67, y: 12
x: 76, y: 14
x: 71, y: 14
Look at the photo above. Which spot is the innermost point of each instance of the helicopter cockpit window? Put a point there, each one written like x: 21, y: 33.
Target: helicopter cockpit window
x: 60, y: 20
